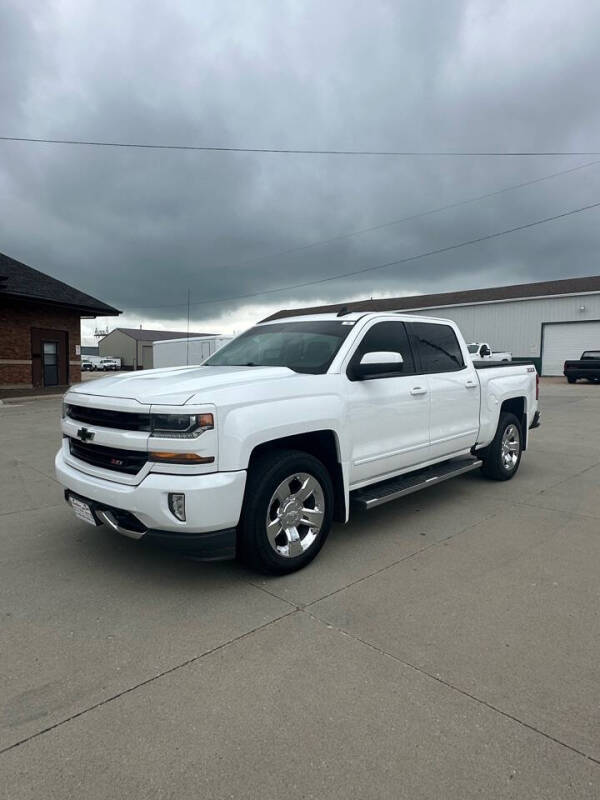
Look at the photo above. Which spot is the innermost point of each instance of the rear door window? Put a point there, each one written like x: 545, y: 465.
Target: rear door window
x: 436, y: 347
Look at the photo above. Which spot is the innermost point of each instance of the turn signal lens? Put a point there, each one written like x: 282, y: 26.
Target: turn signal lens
x: 205, y: 421
x: 180, y: 458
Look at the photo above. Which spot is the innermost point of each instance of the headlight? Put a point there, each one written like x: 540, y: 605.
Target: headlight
x: 180, y: 426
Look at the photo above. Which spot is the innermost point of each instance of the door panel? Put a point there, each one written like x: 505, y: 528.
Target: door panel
x: 454, y: 422
x: 389, y: 425
x: 50, y: 362
x: 56, y: 359
x: 453, y: 386
x: 147, y: 356
x: 388, y: 421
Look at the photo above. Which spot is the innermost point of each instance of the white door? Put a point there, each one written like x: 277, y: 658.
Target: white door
x: 565, y: 341
x: 453, y: 386
x: 388, y: 416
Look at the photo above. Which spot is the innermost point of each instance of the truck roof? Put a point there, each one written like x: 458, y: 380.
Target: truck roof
x: 353, y: 316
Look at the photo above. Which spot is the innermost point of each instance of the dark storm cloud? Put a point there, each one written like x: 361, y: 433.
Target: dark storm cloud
x: 138, y: 227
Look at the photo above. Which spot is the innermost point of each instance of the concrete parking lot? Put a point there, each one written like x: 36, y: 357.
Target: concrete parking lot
x: 442, y: 646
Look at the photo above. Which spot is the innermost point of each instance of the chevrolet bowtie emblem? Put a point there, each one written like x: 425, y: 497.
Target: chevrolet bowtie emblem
x: 85, y: 435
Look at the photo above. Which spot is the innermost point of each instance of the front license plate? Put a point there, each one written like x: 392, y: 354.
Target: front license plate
x: 82, y: 511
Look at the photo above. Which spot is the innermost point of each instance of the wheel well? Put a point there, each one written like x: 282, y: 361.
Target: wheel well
x: 321, y: 445
x: 516, y: 406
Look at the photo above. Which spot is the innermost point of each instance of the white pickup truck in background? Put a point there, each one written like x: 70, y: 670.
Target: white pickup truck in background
x: 481, y: 351
x: 103, y: 363
x: 109, y: 363
x: 286, y: 428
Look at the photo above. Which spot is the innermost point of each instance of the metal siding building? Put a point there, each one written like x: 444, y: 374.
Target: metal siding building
x: 546, y: 322
x: 521, y: 326
x: 134, y: 345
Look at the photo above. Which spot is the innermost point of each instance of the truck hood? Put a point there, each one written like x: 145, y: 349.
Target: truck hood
x: 177, y: 385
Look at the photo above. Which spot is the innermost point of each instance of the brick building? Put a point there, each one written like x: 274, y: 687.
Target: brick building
x: 40, y: 321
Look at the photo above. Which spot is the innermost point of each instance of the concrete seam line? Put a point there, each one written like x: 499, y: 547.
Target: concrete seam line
x: 27, y: 510
x: 276, y: 596
x: 570, y: 513
x: 398, y: 561
x: 454, y: 688
x: 37, y: 469
x: 373, y: 574
x: 569, y: 478
x: 145, y: 682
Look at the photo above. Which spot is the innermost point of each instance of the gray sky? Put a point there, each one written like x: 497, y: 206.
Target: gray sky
x: 138, y: 227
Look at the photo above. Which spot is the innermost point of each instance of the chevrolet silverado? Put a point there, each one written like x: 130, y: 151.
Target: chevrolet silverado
x: 285, y: 429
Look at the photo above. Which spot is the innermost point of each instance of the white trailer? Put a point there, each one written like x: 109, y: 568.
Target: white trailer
x: 180, y: 352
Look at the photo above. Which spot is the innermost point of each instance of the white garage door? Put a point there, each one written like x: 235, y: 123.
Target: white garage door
x: 567, y: 340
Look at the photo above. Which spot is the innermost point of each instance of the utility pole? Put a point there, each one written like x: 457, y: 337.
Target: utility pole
x: 187, y: 344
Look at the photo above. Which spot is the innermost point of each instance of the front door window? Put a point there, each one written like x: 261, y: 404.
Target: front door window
x: 50, y: 362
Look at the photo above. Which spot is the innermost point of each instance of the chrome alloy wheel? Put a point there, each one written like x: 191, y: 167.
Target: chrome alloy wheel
x: 295, y: 515
x: 511, y: 444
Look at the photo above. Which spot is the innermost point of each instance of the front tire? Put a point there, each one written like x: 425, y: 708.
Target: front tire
x: 287, y: 514
x: 571, y: 380
x: 502, y: 457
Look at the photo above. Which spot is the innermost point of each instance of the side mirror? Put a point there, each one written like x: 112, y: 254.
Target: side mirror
x: 378, y: 363
x: 485, y: 351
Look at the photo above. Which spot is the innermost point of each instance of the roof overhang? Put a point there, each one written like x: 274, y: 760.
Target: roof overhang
x: 83, y: 311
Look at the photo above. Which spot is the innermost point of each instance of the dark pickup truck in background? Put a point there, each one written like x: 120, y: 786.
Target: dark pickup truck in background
x: 588, y: 366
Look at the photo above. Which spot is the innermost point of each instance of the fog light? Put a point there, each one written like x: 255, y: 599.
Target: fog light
x: 177, y: 505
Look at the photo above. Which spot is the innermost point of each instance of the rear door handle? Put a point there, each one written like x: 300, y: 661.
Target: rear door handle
x: 471, y: 384
x: 418, y: 390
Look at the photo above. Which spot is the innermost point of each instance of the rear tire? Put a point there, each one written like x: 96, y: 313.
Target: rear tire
x: 502, y: 457
x: 287, y: 513
x: 571, y: 380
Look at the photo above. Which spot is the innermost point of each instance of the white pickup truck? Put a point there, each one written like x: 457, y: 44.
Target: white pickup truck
x: 105, y: 364
x: 287, y: 427
x: 482, y: 351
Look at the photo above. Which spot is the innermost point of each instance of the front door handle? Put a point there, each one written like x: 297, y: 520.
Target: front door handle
x: 471, y: 384
x: 418, y: 390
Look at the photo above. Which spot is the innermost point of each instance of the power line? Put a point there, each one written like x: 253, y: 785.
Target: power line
x: 419, y: 215
x: 301, y: 152
x: 396, y: 262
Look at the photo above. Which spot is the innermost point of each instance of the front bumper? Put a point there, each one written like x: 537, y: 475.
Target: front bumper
x: 214, y: 546
x: 213, y: 505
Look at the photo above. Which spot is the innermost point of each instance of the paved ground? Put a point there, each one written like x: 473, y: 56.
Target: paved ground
x: 445, y: 646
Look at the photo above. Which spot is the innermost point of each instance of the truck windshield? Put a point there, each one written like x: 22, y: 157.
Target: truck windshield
x: 590, y: 354
x: 473, y: 348
x: 300, y: 346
